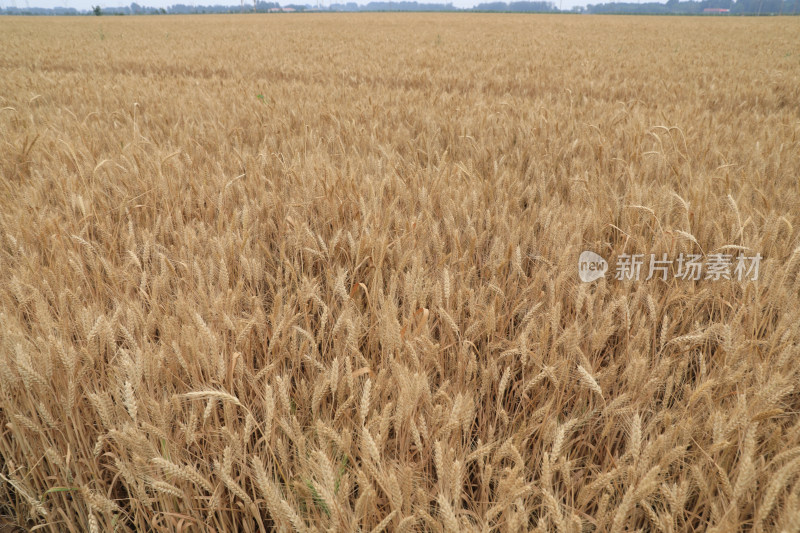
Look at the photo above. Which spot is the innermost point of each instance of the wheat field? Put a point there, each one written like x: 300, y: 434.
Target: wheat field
x: 319, y: 273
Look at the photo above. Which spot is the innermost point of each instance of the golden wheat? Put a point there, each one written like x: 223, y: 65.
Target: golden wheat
x: 320, y: 273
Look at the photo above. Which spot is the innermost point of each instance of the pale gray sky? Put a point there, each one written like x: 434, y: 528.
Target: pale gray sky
x: 87, y: 4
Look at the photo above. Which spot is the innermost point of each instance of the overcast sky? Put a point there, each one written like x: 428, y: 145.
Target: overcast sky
x: 87, y: 4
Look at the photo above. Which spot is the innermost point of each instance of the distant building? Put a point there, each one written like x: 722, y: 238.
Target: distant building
x: 716, y: 10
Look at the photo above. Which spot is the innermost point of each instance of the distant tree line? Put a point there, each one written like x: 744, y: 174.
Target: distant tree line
x: 675, y: 7
x: 392, y: 6
x: 671, y: 7
x: 517, y: 7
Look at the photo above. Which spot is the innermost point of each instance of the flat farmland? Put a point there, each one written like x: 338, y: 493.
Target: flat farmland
x: 325, y: 272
